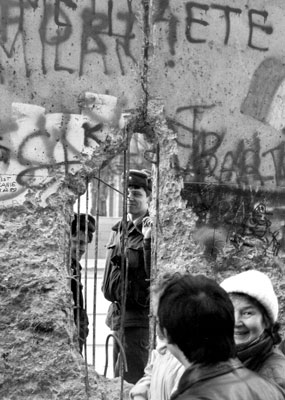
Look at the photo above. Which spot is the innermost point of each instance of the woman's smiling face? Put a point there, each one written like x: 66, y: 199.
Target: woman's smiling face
x: 249, y: 320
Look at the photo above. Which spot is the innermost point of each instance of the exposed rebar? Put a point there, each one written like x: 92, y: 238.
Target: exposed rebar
x: 124, y: 358
x: 95, y: 269
x: 85, y: 285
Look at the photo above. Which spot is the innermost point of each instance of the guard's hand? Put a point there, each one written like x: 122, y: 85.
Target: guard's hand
x: 146, y: 227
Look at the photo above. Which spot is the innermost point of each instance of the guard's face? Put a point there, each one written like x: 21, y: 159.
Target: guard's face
x: 137, y: 202
x: 249, y: 321
x: 78, y: 242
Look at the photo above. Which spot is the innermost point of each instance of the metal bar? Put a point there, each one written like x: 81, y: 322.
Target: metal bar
x: 85, y: 285
x: 153, y: 270
x: 124, y: 259
x: 77, y: 269
x: 107, y: 184
x: 95, y: 271
x: 70, y: 272
x: 121, y: 350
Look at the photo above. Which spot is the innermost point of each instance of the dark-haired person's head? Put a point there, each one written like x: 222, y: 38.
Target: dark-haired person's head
x: 161, y: 281
x: 78, y: 234
x: 196, y: 317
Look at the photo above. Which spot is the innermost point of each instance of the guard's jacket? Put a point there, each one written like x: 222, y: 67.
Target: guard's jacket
x: 76, y: 285
x: 138, y: 253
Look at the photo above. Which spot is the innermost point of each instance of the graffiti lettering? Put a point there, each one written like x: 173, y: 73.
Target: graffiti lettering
x: 275, y: 243
x: 89, y: 133
x: 63, y: 34
x: 159, y: 10
x: 278, y: 156
x: 7, y: 187
x: 37, y: 147
x: 197, y: 155
x: 191, y: 20
x: 92, y: 27
x: 197, y: 26
x: 227, y: 11
x: 243, y: 221
x: 98, y: 27
x: 91, y: 30
x: 267, y: 29
x: 57, y: 10
x: 202, y: 160
x: 7, y: 19
x: 129, y: 19
x: 95, y: 26
x: 242, y: 164
x: 257, y: 224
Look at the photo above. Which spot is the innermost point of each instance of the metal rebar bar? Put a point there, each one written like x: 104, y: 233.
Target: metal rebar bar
x: 153, y: 270
x: 95, y: 271
x: 77, y: 270
x: 124, y: 259
x: 85, y: 285
x: 122, y: 351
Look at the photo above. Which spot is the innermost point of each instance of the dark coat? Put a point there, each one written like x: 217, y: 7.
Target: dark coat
x: 273, y: 367
x: 228, y: 380
x: 264, y: 358
x: 137, y: 253
x: 76, y: 285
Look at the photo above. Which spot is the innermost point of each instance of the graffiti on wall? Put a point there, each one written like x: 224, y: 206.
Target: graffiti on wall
x: 66, y: 24
x: 38, y: 150
x: 200, y: 15
x: 217, y: 151
x: 230, y: 148
x: 88, y: 30
x: 232, y: 188
x: 200, y: 159
x: 265, y: 82
x: 244, y: 219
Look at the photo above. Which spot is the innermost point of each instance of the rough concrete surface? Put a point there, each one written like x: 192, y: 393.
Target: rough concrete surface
x: 204, y: 84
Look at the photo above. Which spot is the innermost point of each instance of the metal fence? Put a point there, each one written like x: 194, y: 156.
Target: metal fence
x: 100, y: 184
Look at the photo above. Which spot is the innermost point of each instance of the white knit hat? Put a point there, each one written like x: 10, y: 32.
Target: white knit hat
x: 257, y: 285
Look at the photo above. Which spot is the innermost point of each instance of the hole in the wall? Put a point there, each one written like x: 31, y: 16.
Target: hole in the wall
x: 106, y: 206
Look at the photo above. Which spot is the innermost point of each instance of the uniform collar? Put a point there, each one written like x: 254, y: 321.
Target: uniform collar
x: 137, y: 223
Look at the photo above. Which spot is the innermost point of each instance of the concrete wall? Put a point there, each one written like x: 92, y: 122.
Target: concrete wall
x: 68, y: 71
x: 203, y: 82
x: 223, y: 88
x: 217, y: 73
x: 51, y: 51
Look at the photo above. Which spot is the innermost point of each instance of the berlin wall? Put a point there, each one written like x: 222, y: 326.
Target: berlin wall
x: 69, y: 69
x: 218, y: 70
x: 203, y: 81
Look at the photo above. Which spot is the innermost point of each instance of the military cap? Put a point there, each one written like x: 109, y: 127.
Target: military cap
x: 140, y: 178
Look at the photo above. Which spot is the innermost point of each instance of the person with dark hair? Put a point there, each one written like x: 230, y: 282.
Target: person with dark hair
x: 137, y: 257
x: 196, y: 316
x: 163, y: 370
x: 256, y: 327
x: 78, y: 247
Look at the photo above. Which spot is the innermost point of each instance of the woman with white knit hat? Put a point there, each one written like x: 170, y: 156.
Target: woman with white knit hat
x: 256, y: 327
